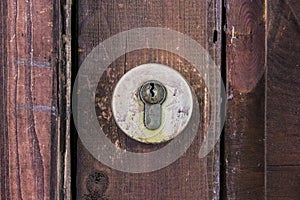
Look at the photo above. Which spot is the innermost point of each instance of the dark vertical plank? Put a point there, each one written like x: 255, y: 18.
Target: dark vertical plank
x: 4, y: 183
x: 244, y: 133
x: 283, y: 92
x: 187, y: 178
x: 29, y: 98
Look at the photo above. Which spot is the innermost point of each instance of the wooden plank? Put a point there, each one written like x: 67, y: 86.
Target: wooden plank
x: 244, y: 133
x: 187, y: 178
x: 283, y: 121
x: 29, y: 98
x: 283, y: 182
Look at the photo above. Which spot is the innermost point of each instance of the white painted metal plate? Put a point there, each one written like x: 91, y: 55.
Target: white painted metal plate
x: 128, y: 108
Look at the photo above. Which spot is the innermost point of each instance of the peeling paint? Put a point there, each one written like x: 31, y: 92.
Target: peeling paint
x: 128, y: 109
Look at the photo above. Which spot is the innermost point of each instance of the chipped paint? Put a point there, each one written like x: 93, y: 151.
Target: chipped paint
x: 128, y: 109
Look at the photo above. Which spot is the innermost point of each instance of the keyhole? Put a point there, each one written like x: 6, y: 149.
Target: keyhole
x: 152, y: 90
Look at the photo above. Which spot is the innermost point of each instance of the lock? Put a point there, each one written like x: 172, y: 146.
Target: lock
x: 152, y: 103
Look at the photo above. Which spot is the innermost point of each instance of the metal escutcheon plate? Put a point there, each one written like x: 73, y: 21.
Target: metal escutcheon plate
x: 128, y: 108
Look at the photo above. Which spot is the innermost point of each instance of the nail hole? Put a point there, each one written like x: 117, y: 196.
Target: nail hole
x: 215, y: 36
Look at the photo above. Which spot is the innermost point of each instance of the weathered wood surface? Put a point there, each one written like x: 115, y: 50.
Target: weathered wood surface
x: 29, y: 98
x: 262, y: 136
x: 244, y: 132
x: 283, y: 100
x: 187, y: 178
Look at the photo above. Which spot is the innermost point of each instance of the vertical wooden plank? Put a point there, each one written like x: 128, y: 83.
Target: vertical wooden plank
x: 4, y: 172
x: 187, y: 178
x: 283, y: 110
x: 29, y: 99
x: 65, y: 84
x: 244, y: 133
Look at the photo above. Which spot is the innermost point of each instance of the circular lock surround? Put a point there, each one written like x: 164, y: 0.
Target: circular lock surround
x: 93, y: 67
x: 128, y: 108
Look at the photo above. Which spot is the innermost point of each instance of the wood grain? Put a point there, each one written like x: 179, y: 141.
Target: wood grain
x: 29, y: 99
x: 244, y: 132
x: 245, y: 30
x: 283, y: 110
x: 261, y: 140
x: 187, y: 178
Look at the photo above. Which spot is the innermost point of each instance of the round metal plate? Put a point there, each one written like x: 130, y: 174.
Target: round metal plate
x: 128, y: 108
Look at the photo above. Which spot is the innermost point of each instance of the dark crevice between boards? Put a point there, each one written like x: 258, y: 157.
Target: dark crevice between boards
x: 223, y: 74
x: 74, y: 69
x: 57, y: 102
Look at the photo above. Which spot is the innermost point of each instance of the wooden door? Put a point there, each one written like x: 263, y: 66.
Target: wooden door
x: 187, y: 178
x: 255, y: 44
